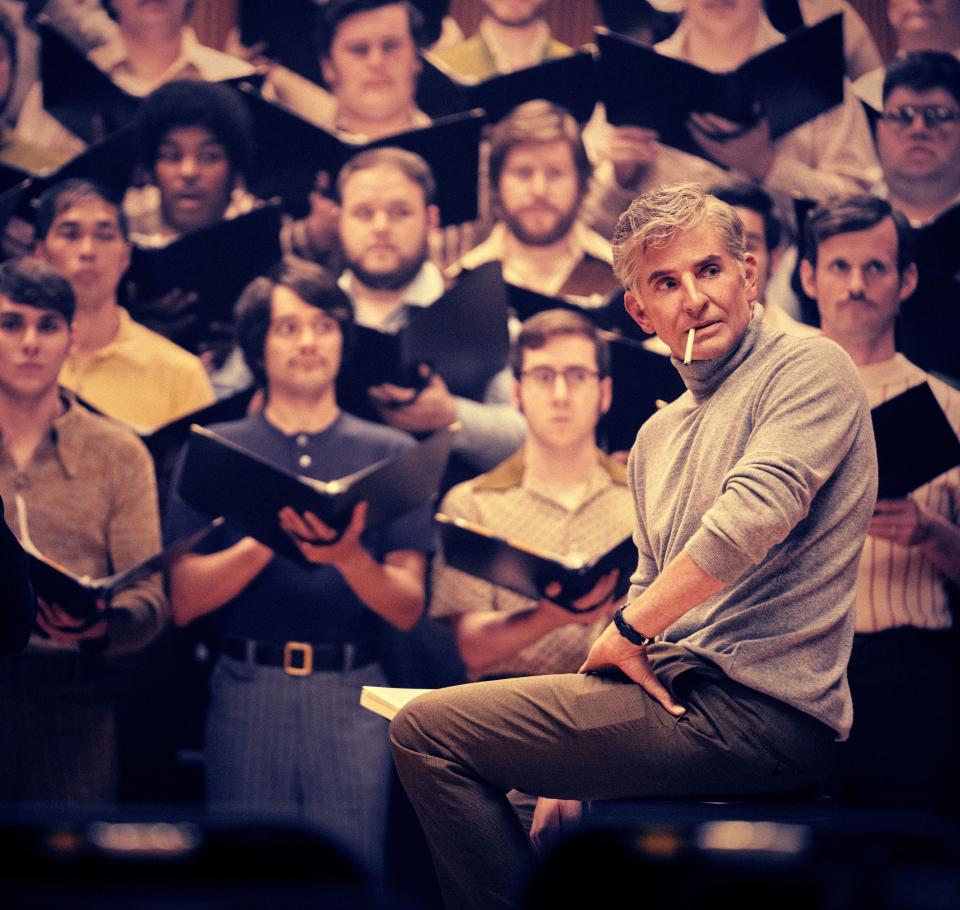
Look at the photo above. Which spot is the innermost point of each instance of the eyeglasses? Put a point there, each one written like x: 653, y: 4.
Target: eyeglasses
x: 933, y: 115
x: 573, y: 377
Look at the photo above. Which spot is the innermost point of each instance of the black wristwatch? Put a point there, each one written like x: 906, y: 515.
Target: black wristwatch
x: 628, y: 631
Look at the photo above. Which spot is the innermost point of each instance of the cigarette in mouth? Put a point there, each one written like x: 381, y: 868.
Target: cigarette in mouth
x: 688, y: 353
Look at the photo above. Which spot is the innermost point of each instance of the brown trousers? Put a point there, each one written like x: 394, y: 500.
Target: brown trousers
x: 459, y: 750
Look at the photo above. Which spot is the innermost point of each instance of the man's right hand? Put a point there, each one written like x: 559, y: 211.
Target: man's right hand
x: 611, y: 651
x: 632, y: 151
x: 62, y: 627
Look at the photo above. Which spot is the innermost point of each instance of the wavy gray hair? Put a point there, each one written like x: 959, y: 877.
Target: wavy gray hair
x: 654, y: 219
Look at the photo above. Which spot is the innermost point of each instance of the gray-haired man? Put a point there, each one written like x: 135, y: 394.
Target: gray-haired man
x: 753, y: 493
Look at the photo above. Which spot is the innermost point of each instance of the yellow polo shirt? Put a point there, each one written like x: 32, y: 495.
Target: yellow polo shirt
x: 140, y: 377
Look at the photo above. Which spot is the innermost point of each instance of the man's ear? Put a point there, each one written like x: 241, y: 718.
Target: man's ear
x: 808, y: 279
x: 328, y: 72
x: 433, y: 218
x: 515, y: 395
x: 908, y: 282
x: 606, y: 394
x: 634, y: 308
x: 751, y: 274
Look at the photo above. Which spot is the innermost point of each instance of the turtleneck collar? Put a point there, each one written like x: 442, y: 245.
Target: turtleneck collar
x: 703, y: 377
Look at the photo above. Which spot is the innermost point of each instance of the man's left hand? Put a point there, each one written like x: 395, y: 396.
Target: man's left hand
x: 611, y: 651
x: 901, y: 521
x: 746, y: 149
x: 404, y: 409
x: 318, y: 542
x: 61, y: 626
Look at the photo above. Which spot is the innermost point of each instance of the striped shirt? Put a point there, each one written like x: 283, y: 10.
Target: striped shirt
x: 898, y: 585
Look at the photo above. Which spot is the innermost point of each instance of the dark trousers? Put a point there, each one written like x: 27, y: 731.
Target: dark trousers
x: 57, y: 731
x: 459, y: 750
x: 902, y: 746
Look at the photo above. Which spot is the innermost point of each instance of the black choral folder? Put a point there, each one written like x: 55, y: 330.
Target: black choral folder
x: 790, y: 83
x: 78, y: 93
x: 463, y: 337
x: 215, y: 262
x: 290, y: 151
x: 567, y: 81
x: 78, y: 595
x: 527, y: 570
x: 222, y: 478
x: 642, y: 378
x: 915, y: 442
x: 109, y: 163
x: 83, y: 97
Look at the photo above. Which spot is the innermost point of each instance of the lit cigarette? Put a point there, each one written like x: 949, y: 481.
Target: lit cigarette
x: 688, y: 353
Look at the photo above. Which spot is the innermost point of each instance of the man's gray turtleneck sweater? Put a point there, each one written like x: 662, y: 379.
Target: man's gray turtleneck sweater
x: 765, y: 472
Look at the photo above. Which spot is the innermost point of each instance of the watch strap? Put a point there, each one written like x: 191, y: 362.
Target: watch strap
x: 628, y: 631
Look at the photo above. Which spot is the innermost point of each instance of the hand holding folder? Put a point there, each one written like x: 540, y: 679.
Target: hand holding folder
x: 786, y: 85
x: 222, y: 478
x: 536, y: 573
x: 84, y: 598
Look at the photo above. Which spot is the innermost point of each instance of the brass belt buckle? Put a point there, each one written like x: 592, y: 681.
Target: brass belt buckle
x: 305, y: 650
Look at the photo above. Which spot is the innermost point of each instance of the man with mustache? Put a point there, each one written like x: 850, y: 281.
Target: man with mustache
x: 859, y: 268
x: 538, y: 174
x: 285, y: 731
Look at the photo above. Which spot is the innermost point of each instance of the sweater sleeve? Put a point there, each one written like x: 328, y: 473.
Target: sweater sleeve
x: 804, y: 422
x: 646, y: 570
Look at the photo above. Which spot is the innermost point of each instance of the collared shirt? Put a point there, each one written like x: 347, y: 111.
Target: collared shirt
x: 195, y: 61
x: 91, y: 504
x: 139, y: 377
x: 897, y: 585
x: 425, y: 289
x: 583, y: 243
x: 830, y: 155
x: 481, y: 56
x: 536, y: 52
x: 509, y: 502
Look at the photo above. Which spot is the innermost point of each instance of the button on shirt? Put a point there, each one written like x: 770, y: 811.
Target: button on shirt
x: 287, y: 601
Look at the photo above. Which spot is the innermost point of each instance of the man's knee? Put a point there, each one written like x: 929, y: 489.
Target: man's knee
x: 413, y: 721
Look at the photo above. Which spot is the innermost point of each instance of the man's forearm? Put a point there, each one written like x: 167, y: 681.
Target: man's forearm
x: 201, y: 583
x: 680, y: 587
x: 488, y: 636
x: 393, y: 589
